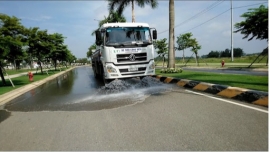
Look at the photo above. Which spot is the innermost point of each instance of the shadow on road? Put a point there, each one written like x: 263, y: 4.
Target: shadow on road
x: 4, y: 115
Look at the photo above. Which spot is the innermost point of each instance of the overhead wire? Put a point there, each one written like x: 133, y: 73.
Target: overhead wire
x: 198, y: 14
x: 221, y: 14
x: 249, y: 5
x: 207, y: 9
x: 207, y: 20
x: 202, y: 12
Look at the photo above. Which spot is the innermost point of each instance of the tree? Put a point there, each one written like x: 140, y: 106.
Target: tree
x: 113, y: 17
x: 171, y: 60
x: 226, y: 53
x: 120, y: 5
x: 195, y: 48
x: 213, y: 54
x: 4, y: 50
x: 183, y: 42
x: 90, y: 49
x: 11, y: 27
x: 238, y: 52
x: 11, y: 35
x: 162, y: 47
x: 40, y: 44
x: 58, y: 50
x: 256, y: 23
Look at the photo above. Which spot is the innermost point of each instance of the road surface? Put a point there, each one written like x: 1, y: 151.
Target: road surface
x: 161, y: 117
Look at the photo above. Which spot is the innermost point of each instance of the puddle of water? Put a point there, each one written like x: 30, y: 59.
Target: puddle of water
x: 125, y: 92
x: 84, y: 97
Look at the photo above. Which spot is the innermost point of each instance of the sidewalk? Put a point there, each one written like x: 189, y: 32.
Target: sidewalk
x: 6, y: 97
x: 17, y: 75
x: 22, y: 74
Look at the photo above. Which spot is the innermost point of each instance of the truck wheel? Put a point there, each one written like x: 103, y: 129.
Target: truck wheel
x: 95, y: 73
x: 105, y: 81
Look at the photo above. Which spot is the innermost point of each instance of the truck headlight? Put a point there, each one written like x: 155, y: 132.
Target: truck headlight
x: 110, y: 69
x: 152, y: 65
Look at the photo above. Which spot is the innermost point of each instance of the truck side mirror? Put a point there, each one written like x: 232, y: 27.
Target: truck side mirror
x: 154, y: 34
x: 98, y: 38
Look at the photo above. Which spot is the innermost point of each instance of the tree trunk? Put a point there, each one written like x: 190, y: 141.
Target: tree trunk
x: 54, y: 65
x: 39, y: 62
x: 196, y: 58
x: 163, y: 61
x: 183, y: 56
x: 171, y: 63
x: 2, y: 75
x: 133, y: 15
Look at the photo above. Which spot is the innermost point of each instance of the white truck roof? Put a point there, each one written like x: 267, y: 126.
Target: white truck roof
x: 124, y: 25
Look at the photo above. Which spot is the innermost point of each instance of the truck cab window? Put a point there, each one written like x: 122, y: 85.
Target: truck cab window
x: 127, y: 36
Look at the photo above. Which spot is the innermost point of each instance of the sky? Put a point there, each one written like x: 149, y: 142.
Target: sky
x: 209, y: 21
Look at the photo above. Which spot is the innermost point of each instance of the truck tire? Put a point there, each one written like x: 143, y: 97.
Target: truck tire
x: 95, y: 74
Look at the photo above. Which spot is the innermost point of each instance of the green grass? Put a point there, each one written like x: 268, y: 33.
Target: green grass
x: 13, y: 71
x: 243, y: 81
x: 245, y: 59
x: 23, y: 80
x: 242, y: 62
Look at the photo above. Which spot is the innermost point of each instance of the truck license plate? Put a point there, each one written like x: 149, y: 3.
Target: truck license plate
x: 132, y: 69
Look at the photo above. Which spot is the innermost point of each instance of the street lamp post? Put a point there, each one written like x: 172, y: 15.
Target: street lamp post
x: 231, y: 32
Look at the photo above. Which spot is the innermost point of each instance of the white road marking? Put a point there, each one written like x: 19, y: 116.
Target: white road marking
x: 261, y: 110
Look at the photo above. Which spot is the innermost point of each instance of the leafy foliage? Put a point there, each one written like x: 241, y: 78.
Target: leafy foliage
x: 162, y: 47
x: 120, y: 5
x: 237, y: 52
x: 90, y: 52
x: 213, y: 54
x: 183, y: 42
x: 256, y: 23
x: 195, y: 47
x: 113, y: 17
x: 18, y: 43
x: 171, y: 70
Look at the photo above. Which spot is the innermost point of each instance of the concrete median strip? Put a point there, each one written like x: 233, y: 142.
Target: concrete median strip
x: 245, y: 95
x: 4, y: 98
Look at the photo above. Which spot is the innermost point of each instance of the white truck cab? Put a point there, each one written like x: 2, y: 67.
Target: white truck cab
x: 124, y: 50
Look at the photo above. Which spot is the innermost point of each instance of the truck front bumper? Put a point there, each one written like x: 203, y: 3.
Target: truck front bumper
x: 113, y: 71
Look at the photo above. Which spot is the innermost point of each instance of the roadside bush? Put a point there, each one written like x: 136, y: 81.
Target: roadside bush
x: 171, y: 70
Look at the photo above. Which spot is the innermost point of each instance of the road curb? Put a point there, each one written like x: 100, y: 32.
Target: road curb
x: 6, y: 97
x: 245, y: 95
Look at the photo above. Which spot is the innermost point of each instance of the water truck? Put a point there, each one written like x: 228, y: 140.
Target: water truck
x: 124, y: 50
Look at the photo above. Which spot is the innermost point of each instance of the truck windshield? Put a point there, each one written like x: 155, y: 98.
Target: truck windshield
x: 126, y: 36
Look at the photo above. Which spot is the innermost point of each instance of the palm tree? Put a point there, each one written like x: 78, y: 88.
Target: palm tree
x: 112, y: 18
x: 171, y: 62
x: 121, y: 4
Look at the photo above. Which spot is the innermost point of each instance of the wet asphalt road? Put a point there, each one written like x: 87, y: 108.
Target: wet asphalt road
x: 78, y: 90
x: 80, y: 114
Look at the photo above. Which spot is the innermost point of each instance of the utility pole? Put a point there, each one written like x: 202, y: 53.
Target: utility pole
x: 231, y: 31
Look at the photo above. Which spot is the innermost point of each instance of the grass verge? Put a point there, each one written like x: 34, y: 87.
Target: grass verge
x: 23, y: 80
x: 13, y: 71
x: 242, y: 81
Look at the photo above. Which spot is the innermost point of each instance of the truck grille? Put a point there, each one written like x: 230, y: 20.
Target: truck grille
x: 139, y: 69
x: 131, y: 57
